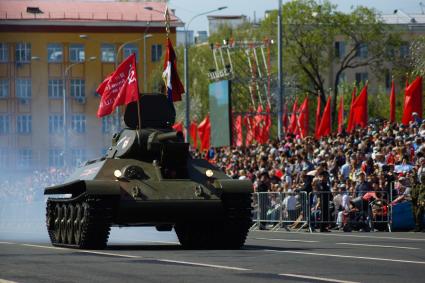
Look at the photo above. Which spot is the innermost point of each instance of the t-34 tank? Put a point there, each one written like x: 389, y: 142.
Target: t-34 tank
x: 148, y: 178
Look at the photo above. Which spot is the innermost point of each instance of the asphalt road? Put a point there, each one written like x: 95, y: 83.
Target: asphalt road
x: 144, y: 255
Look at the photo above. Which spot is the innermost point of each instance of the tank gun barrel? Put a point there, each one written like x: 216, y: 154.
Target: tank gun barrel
x: 170, y: 136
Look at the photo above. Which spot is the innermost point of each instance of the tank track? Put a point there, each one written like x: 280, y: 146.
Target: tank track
x: 229, y: 232
x: 82, y: 223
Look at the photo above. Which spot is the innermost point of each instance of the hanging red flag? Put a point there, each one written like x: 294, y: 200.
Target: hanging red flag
x: 258, y: 124
x: 285, y: 119
x: 316, y: 128
x: 293, y: 121
x: 250, y: 129
x: 413, y: 101
x: 392, y: 103
x: 350, y: 114
x: 170, y: 75
x: 359, y: 110
x: 303, y: 118
x: 204, y: 130
x: 341, y: 115
x: 178, y: 127
x: 121, y: 88
x: 265, y: 136
x: 238, y: 131
x: 194, y: 133
x: 325, y: 123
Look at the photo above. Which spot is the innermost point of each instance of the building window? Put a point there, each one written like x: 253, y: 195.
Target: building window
x: 404, y: 50
x: 55, y: 52
x: 76, y: 53
x: 107, y: 53
x: 56, y: 157
x: 78, y: 88
x: 4, y: 52
x: 4, y: 154
x: 24, y: 158
x: 362, y: 51
x: 78, y: 123
x: 361, y: 77
x: 55, y: 88
x: 78, y: 156
x: 130, y: 49
x: 23, y: 52
x: 55, y: 124
x: 4, y: 124
x: 156, y: 52
x: 4, y: 88
x: 340, y: 49
x: 23, y: 124
x: 23, y: 88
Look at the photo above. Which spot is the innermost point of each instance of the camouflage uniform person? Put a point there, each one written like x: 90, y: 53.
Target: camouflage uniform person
x: 418, y: 200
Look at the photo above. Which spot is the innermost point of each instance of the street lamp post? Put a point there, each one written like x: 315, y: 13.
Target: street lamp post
x: 145, y: 74
x: 65, y: 106
x: 186, y: 70
x: 280, y: 85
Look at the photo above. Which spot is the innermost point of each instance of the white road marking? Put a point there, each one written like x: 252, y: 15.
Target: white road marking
x: 285, y: 240
x: 378, y: 246
x: 81, y: 251
x: 349, y: 256
x: 205, y: 265
x: 316, y: 278
x: 348, y: 235
x: 133, y: 256
x: 7, y: 243
x: 6, y: 281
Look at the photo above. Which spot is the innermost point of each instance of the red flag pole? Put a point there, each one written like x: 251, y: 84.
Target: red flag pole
x: 139, y: 116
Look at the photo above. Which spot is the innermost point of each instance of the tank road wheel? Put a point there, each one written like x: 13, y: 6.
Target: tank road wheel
x: 95, y: 225
x: 70, y: 224
x: 63, y: 223
x: 78, y: 223
x: 50, y: 221
x: 227, y: 233
x: 57, y: 226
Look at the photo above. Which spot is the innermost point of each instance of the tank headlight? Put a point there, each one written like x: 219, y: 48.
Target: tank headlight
x: 209, y: 173
x: 117, y: 173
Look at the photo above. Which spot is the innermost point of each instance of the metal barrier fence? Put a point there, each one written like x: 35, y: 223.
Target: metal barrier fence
x: 280, y: 210
x: 322, y: 210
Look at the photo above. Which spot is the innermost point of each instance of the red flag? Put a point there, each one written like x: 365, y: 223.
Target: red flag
x: 359, y: 109
x: 204, y: 130
x: 303, y: 118
x: 316, y: 128
x: 392, y: 103
x: 413, y: 101
x: 194, y: 133
x: 341, y: 115
x: 170, y: 75
x: 250, y: 129
x: 258, y: 124
x: 238, y: 131
x: 101, y: 88
x: 267, y: 124
x: 293, y: 121
x: 121, y: 88
x: 325, y: 123
x: 350, y: 114
x: 178, y: 127
x: 285, y: 120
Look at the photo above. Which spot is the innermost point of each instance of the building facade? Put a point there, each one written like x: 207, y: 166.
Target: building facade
x: 53, y: 55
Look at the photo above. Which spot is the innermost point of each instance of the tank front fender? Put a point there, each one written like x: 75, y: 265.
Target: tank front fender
x: 234, y: 186
x: 90, y: 187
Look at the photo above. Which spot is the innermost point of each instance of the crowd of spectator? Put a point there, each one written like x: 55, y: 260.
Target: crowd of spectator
x: 382, y: 160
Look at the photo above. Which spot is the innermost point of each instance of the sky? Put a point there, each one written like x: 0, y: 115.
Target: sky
x: 186, y: 9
